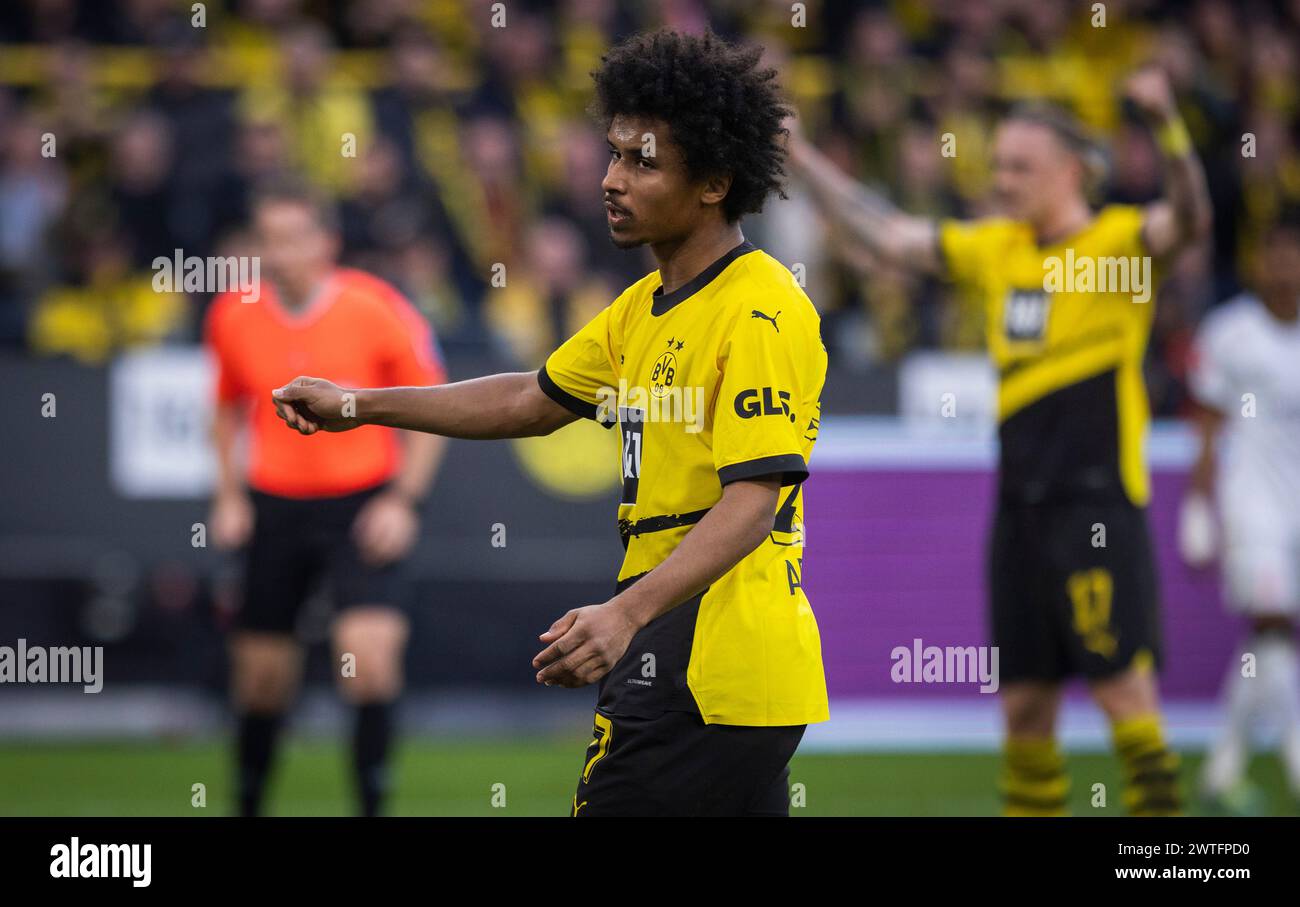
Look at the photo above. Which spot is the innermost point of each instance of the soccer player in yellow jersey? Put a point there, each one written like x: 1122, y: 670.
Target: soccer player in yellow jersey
x: 1068, y: 293
x: 708, y: 654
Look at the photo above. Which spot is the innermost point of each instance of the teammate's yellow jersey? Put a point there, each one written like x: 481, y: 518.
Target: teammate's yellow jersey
x: 1067, y: 328
x: 717, y: 381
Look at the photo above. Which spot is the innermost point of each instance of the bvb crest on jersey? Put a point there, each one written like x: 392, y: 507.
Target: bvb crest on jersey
x: 661, y: 376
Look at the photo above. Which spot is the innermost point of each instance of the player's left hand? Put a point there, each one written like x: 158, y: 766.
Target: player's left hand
x: 1149, y: 90
x: 584, y: 645
x: 385, y: 529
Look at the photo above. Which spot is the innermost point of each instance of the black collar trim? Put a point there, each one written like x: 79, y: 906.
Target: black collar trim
x: 665, y: 301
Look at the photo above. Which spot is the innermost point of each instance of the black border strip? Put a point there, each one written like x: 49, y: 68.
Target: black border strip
x: 182, y: 848
x: 629, y: 529
x: 792, y: 467
x: 663, y: 302
x: 576, y: 405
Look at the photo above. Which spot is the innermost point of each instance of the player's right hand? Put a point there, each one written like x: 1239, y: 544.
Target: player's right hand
x: 231, y: 520
x: 314, y: 404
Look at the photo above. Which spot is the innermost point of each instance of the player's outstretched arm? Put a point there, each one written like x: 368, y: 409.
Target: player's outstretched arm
x: 865, y: 216
x: 1184, y: 214
x: 509, y: 405
x: 586, y: 643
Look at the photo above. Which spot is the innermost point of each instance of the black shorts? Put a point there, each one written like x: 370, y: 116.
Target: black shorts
x: 300, y: 543
x: 676, y: 765
x: 1072, y: 590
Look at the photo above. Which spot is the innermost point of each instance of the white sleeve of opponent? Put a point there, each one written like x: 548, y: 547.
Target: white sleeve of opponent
x: 1211, y: 374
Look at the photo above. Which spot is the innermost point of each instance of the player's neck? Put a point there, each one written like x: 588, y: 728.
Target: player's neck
x: 1062, y: 223
x: 294, y: 296
x: 682, y: 260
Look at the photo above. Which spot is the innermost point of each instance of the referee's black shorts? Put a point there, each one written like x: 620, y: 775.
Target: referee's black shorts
x: 1073, y: 590
x: 298, y: 544
x: 676, y: 765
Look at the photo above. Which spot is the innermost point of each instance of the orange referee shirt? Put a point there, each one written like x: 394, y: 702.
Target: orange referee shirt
x: 358, y: 332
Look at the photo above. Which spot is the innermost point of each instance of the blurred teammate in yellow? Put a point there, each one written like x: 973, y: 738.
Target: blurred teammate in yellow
x: 1069, y: 294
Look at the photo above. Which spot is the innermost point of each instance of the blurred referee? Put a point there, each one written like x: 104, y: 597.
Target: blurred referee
x: 344, y: 512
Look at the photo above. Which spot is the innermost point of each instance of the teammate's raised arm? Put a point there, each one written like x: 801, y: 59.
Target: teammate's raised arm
x: 866, y: 216
x: 509, y: 405
x: 1184, y: 213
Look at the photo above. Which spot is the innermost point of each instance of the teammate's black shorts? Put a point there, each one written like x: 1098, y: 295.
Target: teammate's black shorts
x: 299, y: 543
x: 676, y: 765
x: 1072, y: 590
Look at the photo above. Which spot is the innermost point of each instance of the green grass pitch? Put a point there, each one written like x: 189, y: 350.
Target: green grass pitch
x: 445, y: 778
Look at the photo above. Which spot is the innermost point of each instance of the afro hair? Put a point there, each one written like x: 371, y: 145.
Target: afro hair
x: 723, y: 110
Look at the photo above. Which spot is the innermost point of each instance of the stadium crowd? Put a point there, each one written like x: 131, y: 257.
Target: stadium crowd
x: 455, y: 137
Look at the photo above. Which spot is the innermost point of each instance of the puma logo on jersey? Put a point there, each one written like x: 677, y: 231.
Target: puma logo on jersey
x: 755, y: 313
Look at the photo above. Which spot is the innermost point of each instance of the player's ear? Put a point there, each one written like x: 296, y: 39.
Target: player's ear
x: 716, y: 189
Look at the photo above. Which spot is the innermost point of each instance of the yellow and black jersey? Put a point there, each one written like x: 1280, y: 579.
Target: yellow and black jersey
x: 1067, y: 328
x: 718, y: 381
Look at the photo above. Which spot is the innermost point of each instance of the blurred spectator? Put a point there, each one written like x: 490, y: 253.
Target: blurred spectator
x: 549, y: 295
x: 201, y: 124
x: 141, y: 190
x: 490, y: 200
x: 325, y: 113
x: 579, y: 200
x: 110, y: 307
x: 260, y: 154
x: 450, y: 142
x: 33, y: 190
x: 417, y: 116
x: 394, y: 215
